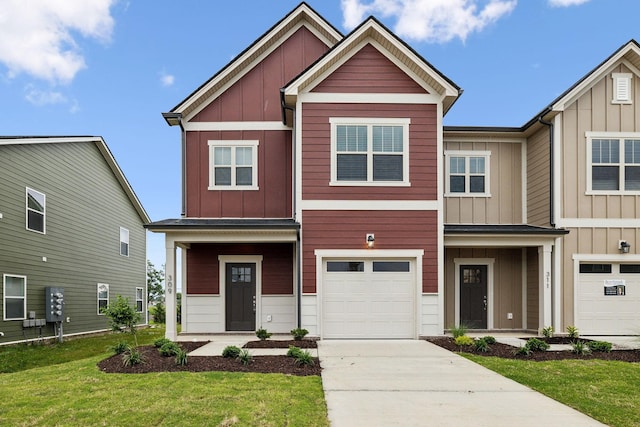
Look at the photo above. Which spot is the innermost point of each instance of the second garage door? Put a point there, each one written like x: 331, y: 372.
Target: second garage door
x: 374, y: 298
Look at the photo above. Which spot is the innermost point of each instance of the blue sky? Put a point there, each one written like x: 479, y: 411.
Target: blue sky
x: 110, y: 68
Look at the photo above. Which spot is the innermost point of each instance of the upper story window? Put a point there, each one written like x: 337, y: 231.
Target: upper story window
x: 15, y: 297
x: 621, y: 88
x: 467, y: 173
x: 36, y: 203
x: 613, y: 163
x: 233, y: 165
x: 124, y: 242
x: 368, y: 151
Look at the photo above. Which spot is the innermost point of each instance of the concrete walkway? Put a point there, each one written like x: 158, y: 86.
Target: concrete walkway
x: 416, y: 383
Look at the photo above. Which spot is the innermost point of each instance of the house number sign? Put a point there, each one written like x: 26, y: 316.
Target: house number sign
x: 169, y: 284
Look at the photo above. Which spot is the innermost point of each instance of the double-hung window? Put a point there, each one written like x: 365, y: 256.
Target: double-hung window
x: 139, y: 300
x: 233, y: 165
x: 15, y: 297
x: 467, y: 173
x: 124, y: 242
x: 613, y: 163
x: 36, y: 204
x: 369, y: 151
x: 103, y: 297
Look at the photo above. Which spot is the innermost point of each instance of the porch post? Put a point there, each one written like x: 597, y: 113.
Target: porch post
x: 170, y: 289
x: 544, y: 280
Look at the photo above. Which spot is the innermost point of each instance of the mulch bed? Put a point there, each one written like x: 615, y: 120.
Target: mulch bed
x: 154, y: 362
x: 507, y: 351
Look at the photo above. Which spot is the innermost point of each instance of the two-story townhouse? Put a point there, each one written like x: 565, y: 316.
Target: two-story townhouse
x: 69, y: 222
x: 321, y: 190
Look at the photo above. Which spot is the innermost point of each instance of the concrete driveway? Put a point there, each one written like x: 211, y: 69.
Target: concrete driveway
x: 416, y: 383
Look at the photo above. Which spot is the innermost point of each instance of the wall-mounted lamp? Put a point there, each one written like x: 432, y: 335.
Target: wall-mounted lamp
x: 624, y: 246
x: 370, y: 240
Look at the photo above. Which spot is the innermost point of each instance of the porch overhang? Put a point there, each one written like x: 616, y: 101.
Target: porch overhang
x: 500, y: 235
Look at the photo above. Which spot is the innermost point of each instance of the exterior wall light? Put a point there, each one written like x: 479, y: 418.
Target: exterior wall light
x: 624, y: 246
x: 370, y: 240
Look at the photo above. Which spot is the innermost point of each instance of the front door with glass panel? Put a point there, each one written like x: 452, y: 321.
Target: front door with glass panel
x: 473, y: 296
x: 240, y: 296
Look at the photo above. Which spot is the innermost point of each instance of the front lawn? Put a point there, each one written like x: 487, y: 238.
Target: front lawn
x: 604, y: 390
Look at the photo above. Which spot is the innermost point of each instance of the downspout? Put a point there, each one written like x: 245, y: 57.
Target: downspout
x: 183, y: 148
x: 298, y: 279
x: 552, y: 220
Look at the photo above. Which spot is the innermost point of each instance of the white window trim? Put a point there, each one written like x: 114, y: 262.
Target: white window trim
x: 27, y: 209
x: 466, y: 154
x: 617, y: 78
x: 142, y: 293
x: 370, y: 122
x: 124, y: 241
x: 4, y: 297
x: 620, y: 136
x: 98, y: 299
x: 233, y: 144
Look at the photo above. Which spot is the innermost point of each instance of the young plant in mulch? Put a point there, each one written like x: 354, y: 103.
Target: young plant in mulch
x: 489, y: 339
x: 463, y: 340
x: 601, y: 346
x: 160, y: 342
x: 304, y: 358
x: 580, y: 348
x: 263, y: 334
x: 231, y: 352
x: 481, y: 345
x: 547, y: 332
x: 181, y: 357
x: 120, y: 347
x: 244, y: 357
x: 536, y: 344
x: 132, y: 356
x: 299, y: 333
x: 169, y: 349
x: 458, y: 331
x: 572, y: 332
x: 293, y: 351
x: 124, y: 318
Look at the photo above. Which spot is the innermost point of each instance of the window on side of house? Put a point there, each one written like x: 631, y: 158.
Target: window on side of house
x: 467, y: 173
x: 613, y: 163
x: 233, y: 165
x: 14, y: 289
x: 124, y: 241
x: 36, y: 211
x: 621, y: 88
x: 367, y: 151
x: 139, y: 300
x: 103, y: 297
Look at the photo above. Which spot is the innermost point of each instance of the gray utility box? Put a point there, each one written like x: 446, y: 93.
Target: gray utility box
x: 54, y: 304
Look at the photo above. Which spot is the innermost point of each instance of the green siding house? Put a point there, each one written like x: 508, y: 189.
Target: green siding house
x: 68, y: 220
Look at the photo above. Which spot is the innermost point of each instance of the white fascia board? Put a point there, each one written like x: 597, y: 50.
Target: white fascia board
x: 369, y: 253
x: 606, y: 257
x: 598, y: 222
x: 493, y: 240
x: 371, y: 205
x: 224, y: 126
x: 50, y: 140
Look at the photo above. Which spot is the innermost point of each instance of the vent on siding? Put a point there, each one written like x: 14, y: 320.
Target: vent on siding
x: 621, y: 88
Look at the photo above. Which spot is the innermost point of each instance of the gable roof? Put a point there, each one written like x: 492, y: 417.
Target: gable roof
x: 104, y: 150
x: 393, y: 47
x: 302, y: 15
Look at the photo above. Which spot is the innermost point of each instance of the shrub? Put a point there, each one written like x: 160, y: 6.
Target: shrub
x: 523, y: 350
x: 263, y: 334
x: 535, y: 344
x: 602, y: 346
x: 463, y: 340
x: 572, y: 331
x: 231, y: 351
x: 169, y: 349
x: 547, y: 332
x: 132, y: 356
x: 160, y: 342
x: 299, y: 333
x: 120, y: 347
x: 304, y: 358
x: 181, y: 357
x: 481, y: 345
x: 579, y: 347
x: 293, y: 351
x: 458, y: 331
x: 489, y: 339
x: 244, y: 357
x: 159, y: 313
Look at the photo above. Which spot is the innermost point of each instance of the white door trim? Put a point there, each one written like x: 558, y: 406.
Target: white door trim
x: 223, y: 260
x: 475, y: 261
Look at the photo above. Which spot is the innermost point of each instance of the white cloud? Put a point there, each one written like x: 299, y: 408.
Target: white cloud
x: 166, y: 79
x: 436, y: 21
x: 39, y: 39
x: 566, y: 3
x: 43, y: 98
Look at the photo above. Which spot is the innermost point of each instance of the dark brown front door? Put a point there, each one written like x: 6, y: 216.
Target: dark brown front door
x: 241, y: 297
x: 473, y: 296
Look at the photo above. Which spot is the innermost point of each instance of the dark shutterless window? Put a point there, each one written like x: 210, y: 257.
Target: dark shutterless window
x: 595, y: 268
x: 342, y: 266
x: 629, y: 268
x: 352, y: 167
x: 391, y: 266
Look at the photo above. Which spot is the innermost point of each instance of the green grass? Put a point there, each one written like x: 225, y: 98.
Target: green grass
x: 604, y: 390
x: 60, y: 384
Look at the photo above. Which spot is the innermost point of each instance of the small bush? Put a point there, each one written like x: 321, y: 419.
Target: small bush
x: 160, y: 342
x: 535, y: 344
x: 120, y: 347
x: 299, y: 333
x: 602, y: 346
x: 572, y: 331
x: 132, y: 356
x: 263, y: 334
x: 523, y: 351
x: 293, y: 351
x: 458, y: 331
x: 231, y: 351
x: 159, y: 313
x: 181, y: 357
x: 169, y: 349
x: 579, y: 347
x: 489, y: 339
x: 245, y: 357
x: 304, y: 358
x: 481, y: 345
x: 463, y: 340
x: 547, y: 332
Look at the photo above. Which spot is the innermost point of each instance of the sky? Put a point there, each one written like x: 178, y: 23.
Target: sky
x: 112, y: 67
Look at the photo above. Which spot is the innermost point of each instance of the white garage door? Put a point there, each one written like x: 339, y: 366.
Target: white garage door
x: 372, y: 298
x: 608, y: 299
